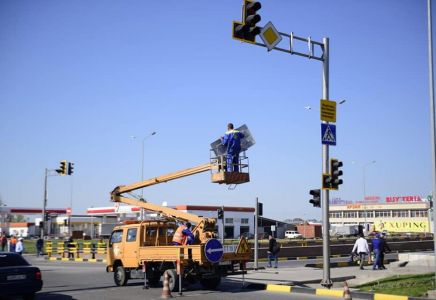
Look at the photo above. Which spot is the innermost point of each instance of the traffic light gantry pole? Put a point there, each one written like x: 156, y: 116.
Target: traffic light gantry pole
x: 66, y: 168
x: 246, y: 31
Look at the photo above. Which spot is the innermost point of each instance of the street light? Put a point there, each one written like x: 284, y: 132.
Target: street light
x: 364, y: 191
x: 314, y: 108
x: 92, y: 223
x: 142, y: 177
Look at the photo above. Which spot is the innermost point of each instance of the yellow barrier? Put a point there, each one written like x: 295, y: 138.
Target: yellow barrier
x: 303, y: 243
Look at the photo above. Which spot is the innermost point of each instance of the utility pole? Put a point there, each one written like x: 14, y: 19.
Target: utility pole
x: 256, y: 237
x: 432, y: 114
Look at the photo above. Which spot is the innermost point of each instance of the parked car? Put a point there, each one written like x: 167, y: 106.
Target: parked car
x: 18, y: 277
x: 248, y: 235
x: 293, y: 234
x: 262, y: 235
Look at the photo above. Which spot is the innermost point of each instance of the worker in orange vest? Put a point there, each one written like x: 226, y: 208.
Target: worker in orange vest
x: 14, y: 242
x: 183, y: 235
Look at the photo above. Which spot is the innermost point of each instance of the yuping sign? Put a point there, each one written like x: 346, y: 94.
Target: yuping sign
x: 404, y: 226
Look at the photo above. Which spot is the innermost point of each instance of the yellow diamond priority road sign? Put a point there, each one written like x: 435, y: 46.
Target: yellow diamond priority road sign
x: 328, y: 110
x: 270, y: 36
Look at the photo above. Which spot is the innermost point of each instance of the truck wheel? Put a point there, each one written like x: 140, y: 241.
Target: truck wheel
x: 210, y: 283
x: 120, y: 276
x: 173, y: 280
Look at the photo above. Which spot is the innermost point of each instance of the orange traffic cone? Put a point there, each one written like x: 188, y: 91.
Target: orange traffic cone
x: 347, y: 294
x: 166, y: 293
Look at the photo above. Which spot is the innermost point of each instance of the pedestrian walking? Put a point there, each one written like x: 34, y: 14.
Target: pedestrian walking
x: 4, y: 241
x: 70, y: 245
x: 39, y: 246
x: 361, y: 248
x: 232, y: 141
x: 273, y: 249
x: 376, y: 249
x: 19, y: 247
x: 384, y: 249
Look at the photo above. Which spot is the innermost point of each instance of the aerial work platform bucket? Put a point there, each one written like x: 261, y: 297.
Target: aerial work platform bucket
x: 230, y: 177
x: 220, y: 174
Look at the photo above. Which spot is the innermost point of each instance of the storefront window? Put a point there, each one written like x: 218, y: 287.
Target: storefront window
x: 350, y: 214
x: 382, y: 214
x: 418, y: 213
x: 336, y: 215
x: 400, y: 214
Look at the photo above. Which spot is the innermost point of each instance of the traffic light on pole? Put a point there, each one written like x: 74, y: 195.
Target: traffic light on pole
x: 248, y: 30
x: 63, y: 169
x: 259, y: 209
x: 220, y: 213
x: 70, y: 168
x: 326, y: 181
x: 335, y: 173
x: 316, y: 200
x: 65, y: 222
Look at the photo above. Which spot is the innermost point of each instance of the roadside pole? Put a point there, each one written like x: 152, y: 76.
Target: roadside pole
x: 44, y: 205
x: 222, y: 238
x: 256, y: 238
x: 326, y: 281
x: 432, y: 114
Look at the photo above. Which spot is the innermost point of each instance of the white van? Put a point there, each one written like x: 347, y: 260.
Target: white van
x: 293, y: 234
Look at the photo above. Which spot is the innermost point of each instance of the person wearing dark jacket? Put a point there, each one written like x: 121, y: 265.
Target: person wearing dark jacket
x: 271, y: 252
x: 376, y: 249
x: 384, y: 249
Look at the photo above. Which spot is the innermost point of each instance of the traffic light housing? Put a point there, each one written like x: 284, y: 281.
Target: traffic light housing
x: 41, y: 224
x: 63, y: 169
x: 259, y: 209
x: 335, y: 173
x: 47, y: 216
x: 316, y: 200
x: 326, y: 181
x: 70, y: 168
x: 247, y: 30
x: 220, y: 213
x: 65, y: 222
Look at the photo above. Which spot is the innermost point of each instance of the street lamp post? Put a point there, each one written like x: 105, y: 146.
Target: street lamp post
x: 92, y: 224
x: 142, y: 170
x: 364, y: 190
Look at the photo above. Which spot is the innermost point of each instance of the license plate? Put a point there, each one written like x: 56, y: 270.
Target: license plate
x: 16, y: 277
x: 221, y: 263
x: 230, y: 248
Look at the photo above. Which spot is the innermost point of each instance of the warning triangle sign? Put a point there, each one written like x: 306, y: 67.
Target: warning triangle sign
x: 243, y: 247
x: 328, y: 136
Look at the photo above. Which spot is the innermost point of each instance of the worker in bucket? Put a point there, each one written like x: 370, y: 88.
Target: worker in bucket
x: 232, y: 141
x: 183, y: 235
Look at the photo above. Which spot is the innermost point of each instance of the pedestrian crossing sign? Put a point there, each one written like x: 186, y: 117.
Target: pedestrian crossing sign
x: 328, y: 134
x: 243, y: 247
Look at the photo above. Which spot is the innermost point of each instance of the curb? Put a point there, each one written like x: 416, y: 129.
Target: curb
x: 77, y: 259
x: 325, y: 292
x: 347, y: 264
x: 303, y: 257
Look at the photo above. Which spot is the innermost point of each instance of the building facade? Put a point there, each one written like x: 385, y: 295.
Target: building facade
x: 397, y: 214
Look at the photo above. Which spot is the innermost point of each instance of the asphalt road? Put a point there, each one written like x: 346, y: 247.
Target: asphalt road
x: 82, y: 281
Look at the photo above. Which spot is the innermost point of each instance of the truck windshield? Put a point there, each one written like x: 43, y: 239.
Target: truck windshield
x: 117, y: 237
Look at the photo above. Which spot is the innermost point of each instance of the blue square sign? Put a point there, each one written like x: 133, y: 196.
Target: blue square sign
x: 328, y: 134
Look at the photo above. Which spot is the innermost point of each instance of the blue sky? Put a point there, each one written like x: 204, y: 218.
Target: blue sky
x: 78, y: 78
